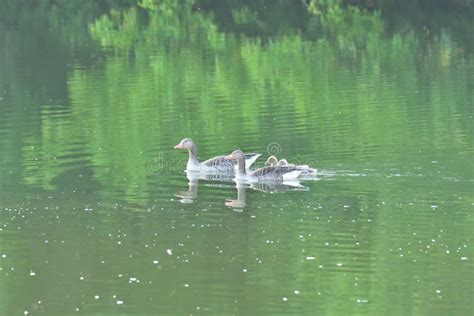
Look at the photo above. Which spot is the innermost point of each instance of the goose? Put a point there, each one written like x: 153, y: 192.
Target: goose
x: 271, y: 173
x: 216, y: 164
x: 273, y: 161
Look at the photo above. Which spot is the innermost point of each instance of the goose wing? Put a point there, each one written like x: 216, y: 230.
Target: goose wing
x: 224, y: 164
x: 273, y: 173
x: 220, y: 163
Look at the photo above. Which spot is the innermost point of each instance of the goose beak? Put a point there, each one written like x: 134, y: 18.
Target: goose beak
x: 179, y: 146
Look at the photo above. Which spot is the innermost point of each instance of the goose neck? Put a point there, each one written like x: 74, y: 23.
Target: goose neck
x: 241, y: 166
x: 193, y: 154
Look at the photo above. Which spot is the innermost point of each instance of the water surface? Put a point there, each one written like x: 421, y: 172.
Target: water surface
x: 92, y: 214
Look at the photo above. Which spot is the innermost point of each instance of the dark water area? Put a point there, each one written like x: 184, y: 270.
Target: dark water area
x: 98, y: 217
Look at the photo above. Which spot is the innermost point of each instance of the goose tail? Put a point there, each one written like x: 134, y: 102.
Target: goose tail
x: 250, y: 159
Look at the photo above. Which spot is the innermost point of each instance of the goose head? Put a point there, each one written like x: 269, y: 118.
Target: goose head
x: 236, y: 155
x: 185, y: 143
x: 283, y: 162
x: 272, y: 161
x: 239, y: 157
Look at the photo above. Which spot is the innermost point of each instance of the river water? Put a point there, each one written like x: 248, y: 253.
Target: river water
x: 98, y: 217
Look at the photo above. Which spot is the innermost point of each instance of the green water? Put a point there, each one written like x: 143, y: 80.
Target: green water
x: 92, y: 215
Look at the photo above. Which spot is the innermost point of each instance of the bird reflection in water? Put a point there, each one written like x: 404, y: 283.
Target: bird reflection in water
x: 271, y: 187
x: 193, y: 184
x: 240, y: 202
x: 191, y: 194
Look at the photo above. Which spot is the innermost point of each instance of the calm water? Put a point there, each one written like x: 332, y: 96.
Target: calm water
x: 93, y: 219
